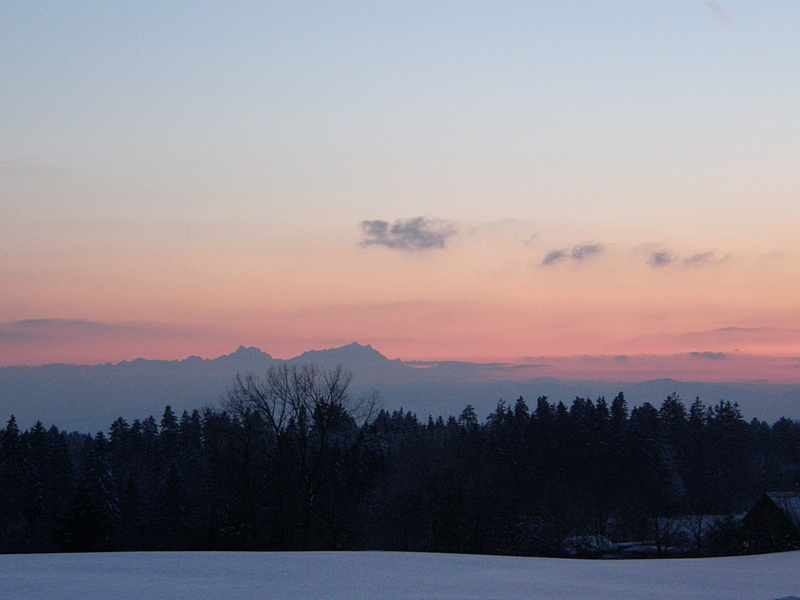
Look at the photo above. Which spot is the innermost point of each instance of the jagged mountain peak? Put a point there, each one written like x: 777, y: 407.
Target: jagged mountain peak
x: 250, y: 351
x: 348, y: 353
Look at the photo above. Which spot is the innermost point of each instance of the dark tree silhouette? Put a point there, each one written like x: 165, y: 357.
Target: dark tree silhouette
x: 316, y: 426
x: 292, y: 462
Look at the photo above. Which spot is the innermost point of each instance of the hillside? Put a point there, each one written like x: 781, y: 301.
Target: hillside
x: 390, y: 576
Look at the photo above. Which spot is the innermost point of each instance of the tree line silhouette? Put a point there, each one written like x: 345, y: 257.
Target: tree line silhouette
x: 291, y: 462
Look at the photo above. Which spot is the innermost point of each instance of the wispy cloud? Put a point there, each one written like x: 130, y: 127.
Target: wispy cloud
x: 45, y: 331
x: 408, y: 235
x: 531, y: 240
x: 699, y: 259
x: 48, y: 329
x: 720, y: 13
x: 578, y: 253
x: 80, y: 341
x: 659, y: 258
x: 708, y: 355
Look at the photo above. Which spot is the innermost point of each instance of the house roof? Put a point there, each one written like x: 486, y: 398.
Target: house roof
x: 789, y: 504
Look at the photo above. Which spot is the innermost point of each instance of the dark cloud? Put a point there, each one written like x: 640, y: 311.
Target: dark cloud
x: 661, y: 258
x: 709, y: 355
x: 584, y: 251
x: 409, y: 235
x: 620, y: 358
x: 578, y: 253
x: 699, y: 259
x: 554, y: 257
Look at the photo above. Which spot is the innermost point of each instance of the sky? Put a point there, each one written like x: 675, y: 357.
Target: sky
x: 442, y: 180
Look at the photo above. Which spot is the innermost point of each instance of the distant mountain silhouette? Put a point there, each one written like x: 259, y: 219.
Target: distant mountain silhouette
x: 369, y: 366
x: 90, y: 398
x: 352, y: 352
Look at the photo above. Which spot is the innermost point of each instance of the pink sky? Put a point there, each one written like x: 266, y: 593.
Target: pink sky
x: 489, y: 294
x: 441, y: 181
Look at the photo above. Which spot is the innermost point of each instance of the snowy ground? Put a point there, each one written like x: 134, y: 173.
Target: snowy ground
x: 389, y: 575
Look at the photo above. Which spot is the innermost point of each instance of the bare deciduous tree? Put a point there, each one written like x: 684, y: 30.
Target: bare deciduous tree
x: 316, y: 424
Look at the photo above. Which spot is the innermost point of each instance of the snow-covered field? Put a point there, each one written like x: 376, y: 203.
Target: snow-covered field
x: 391, y: 575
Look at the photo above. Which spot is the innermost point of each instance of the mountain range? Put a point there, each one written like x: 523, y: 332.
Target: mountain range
x: 90, y: 397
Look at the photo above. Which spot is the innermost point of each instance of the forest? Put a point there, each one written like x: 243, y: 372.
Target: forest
x: 290, y: 461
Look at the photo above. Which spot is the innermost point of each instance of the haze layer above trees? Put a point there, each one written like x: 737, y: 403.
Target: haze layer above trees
x: 88, y: 398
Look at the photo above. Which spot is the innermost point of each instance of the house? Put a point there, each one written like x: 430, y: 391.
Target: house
x: 773, y: 524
